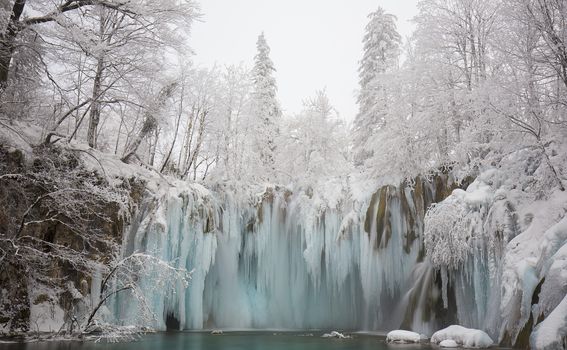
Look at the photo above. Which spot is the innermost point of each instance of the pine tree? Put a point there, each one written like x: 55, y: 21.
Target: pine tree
x: 266, y: 108
x: 381, y: 50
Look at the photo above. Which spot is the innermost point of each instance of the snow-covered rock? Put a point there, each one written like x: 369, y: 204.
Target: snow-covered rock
x: 448, y: 343
x: 335, y: 334
x: 401, y: 336
x: 538, y: 254
x: 467, y: 337
x: 551, y: 333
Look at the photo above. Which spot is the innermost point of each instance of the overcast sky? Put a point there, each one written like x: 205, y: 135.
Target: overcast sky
x: 314, y: 44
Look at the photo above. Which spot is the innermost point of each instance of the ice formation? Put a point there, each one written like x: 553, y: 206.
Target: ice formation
x: 281, y: 259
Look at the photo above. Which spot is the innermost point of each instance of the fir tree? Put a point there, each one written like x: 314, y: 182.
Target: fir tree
x: 266, y: 107
x: 381, y: 50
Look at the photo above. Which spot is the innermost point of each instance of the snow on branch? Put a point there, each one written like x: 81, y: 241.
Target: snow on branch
x: 447, y: 234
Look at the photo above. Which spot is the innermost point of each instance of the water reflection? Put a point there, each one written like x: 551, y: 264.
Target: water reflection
x: 227, y: 341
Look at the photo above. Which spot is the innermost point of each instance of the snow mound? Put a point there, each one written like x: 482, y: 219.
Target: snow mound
x: 335, y: 334
x: 551, y: 332
x: 448, y: 343
x: 467, y: 337
x: 401, y: 336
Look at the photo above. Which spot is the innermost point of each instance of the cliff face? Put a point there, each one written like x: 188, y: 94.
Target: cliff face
x: 57, y: 224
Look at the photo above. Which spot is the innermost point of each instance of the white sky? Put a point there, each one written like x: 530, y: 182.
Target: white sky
x: 314, y: 44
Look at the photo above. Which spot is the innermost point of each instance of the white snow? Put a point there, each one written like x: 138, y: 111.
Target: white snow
x: 467, y: 337
x: 533, y: 255
x: 551, y: 333
x: 335, y: 334
x: 448, y: 343
x: 401, y: 336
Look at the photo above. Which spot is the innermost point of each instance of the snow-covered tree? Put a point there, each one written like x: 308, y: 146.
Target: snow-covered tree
x: 317, y: 146
x: 123, y: 276
x: 381, y: 51
x: 232, y: 128
x: 99, y: 62
x: 266, y: 109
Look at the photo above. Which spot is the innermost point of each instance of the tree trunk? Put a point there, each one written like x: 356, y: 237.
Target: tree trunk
x: 7, y: 41
x: 94, y: 117
x: 149, y: 126
x: 200, y: 136
x: 118, y: 135
x: 153, y: 147
x: 150, y: 121
x: 188, y: 140
x: 178, y: 121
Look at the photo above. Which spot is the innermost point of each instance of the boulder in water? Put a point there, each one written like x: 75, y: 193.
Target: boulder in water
x: 404, y: 337
x: 335, y: 334
x: 467, y: 337
x: 448, y: 343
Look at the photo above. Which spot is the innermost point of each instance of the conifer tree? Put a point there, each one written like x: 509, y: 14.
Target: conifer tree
x: 380, y: 55
x: 266, y: 108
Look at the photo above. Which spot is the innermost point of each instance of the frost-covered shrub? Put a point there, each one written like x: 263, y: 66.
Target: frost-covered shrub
x: 447, y: 234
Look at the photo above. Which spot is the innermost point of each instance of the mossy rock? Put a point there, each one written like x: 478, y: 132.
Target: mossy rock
x: 40, y: 299
x: 370, y: 211
x: 383, y: 221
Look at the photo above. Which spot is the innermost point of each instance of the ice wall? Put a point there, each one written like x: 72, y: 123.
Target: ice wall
x: 287, y: 260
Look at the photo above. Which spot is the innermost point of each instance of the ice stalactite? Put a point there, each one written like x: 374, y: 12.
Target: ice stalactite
x: 285, y: 260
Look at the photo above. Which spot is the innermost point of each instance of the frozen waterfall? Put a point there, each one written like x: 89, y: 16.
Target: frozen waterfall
x: 285, y: 260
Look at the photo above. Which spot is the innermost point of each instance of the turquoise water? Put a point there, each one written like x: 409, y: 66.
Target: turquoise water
x: 228, y: 341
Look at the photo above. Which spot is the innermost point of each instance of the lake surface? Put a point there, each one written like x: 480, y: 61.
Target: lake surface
x: 228, y: 341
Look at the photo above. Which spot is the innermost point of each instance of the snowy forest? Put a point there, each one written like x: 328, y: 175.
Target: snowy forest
x: 141, y: 191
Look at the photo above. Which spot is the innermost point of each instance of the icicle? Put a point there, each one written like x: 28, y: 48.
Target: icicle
x: 444, y: 282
